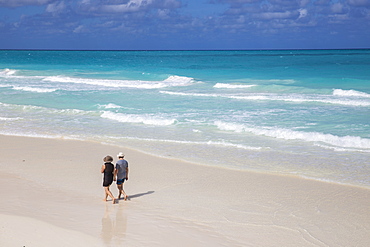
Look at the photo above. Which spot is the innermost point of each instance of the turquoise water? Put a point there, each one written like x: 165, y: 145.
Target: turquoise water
x: 300, y: 112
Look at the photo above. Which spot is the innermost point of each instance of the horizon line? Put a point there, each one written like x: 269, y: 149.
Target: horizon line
x: 271, y: 49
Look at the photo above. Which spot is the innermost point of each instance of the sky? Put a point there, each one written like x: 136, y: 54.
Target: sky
x: 184, y: 24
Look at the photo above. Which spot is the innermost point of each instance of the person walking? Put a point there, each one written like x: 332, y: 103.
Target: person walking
x: 121, y: 174
x: 108, y: 172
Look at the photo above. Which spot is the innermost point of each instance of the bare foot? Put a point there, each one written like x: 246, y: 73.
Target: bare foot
x: 114, y: 200
x: 125, y: 198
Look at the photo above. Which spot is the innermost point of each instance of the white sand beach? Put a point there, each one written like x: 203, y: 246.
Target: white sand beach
x: 52, y: 196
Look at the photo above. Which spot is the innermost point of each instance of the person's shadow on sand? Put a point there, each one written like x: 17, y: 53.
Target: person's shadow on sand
x: 140, y: 194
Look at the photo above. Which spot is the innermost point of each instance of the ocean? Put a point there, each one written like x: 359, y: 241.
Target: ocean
x: 292, y: 112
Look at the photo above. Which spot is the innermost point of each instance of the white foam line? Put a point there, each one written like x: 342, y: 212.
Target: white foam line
x: 211, y: 143
x: 171, y: 81
x: 132, y: 118
x: 9, y: 119
x: 287, y: 134
x: 232, y: 86
x: 274, y: 97
x: 350, y: 93
x: 37, y: 90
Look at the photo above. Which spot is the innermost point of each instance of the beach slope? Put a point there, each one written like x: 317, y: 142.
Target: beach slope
x: 52, y: 196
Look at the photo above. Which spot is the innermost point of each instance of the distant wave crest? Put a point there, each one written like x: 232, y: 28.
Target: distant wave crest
x: 171, y: 81
x: 232, y: 86
x: 351, y: 93
x: 7, y: 72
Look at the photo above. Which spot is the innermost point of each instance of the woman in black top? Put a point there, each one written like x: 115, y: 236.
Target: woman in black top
x: 107, y: 169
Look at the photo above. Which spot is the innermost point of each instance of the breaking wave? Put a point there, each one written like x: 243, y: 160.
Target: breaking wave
x: 7, y: 72
x: 350, y: 93
x: 172, y: 81
x: 232, y: 86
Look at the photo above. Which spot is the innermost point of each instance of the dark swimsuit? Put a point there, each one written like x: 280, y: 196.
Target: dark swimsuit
x: 108, y: 174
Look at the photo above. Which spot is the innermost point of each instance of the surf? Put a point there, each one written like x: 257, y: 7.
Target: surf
x: 353, y: 142
x: 171, y: 81
x: 147, y: 119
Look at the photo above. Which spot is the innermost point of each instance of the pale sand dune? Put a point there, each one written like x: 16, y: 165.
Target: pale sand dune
x: 51, y: 193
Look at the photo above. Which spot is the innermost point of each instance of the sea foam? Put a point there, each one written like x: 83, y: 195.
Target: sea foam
x: 133, y: 118
x: 232, y: 86
x: 298, y: 98
x: 34, y: 89
x: 7, y: 72
x: 171, y: 81
x: 207, y: 143
x: 10, y: 119
x: 350, y: 93
x: 287, y: 134
x: 109, y: 106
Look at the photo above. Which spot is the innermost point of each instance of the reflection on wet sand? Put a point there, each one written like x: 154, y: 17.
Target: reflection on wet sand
x: 114, y: 221
x: 114, y: 225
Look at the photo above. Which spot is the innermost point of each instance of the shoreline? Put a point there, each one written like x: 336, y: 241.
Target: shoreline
x: 176, y: 159
x: 173, y: 202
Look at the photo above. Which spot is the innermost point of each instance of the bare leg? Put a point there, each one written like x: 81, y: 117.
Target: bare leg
x: 108, y: 193
x: 105, y: 195
x: 119, y: 187
x: 125, y: 195
x: 121, y: 191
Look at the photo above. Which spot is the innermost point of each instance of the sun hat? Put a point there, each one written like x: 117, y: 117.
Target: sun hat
x: 108, y: 158
x: 120, y: 154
